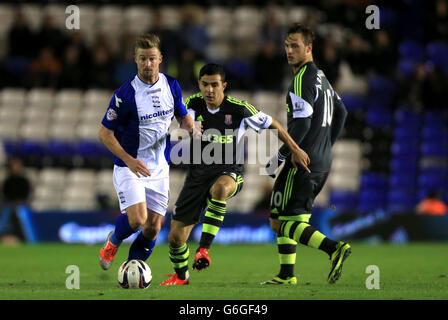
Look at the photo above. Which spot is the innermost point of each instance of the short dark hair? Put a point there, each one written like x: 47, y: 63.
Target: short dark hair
x: 212, y: 69
x: 307, y: 33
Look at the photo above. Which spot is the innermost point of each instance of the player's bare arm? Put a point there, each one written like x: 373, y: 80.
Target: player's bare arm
x: 298, y: 155
x: 186, y: 123
x: 107, y: 137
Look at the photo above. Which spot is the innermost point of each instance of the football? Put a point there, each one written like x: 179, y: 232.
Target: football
x: 134, y: 274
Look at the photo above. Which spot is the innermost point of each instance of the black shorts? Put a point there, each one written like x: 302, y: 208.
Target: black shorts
x: 192, y: 200
x: 294, y: 193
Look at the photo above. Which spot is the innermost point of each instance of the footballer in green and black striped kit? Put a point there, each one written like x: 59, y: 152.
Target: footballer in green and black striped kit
x: 315, y: 117
x: 224, y: 128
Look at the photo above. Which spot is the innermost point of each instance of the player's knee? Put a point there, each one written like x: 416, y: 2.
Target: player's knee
x: 137, y: 221
x: 175, y: 240
x: 153, y: 225
x: 151, y: 231
x: 137, y: 215
x: 221, y: 190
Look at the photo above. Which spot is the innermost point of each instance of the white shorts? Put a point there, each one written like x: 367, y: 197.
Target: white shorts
x: 155, y: 191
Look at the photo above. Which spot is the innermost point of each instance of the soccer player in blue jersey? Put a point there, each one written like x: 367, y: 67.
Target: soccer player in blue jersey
x: 135, y: 130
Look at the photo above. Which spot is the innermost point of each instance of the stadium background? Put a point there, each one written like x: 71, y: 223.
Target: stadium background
x: 55, y: 85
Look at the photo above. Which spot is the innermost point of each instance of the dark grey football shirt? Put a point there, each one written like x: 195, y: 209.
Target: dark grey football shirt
x: 315, y: 115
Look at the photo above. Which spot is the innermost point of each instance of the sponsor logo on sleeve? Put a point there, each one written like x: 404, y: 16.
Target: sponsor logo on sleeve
x: 111, y: 114
x: 300, y: 107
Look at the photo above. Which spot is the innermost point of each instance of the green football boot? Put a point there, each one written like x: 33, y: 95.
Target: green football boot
x: 277, y: 280
x: 343, y: 250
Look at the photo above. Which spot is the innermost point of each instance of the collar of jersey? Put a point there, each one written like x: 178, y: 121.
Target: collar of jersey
x: 213, y: 111
x: 140, y: 81
x: 308, y: 63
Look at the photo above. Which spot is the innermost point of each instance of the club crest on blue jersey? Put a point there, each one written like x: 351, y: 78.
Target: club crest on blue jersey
x: 156, y: 101
x: 111, y: 114
x: 228, y: 119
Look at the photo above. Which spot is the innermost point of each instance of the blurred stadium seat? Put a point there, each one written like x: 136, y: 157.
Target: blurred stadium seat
x: 401, y: 200
x: 68, y: 98
x: 381, y: 92
x: 412, y: 50
x: 344, y: 200
x: 12, y: 97
x: 437, y: 53
x: 371, y: 199
x: 353, y: 101
x: 402, y: 181
x: 374, y: 181
x: 134, y: 13
x: 379, y: 118
x: 434, y: 148
x: 41, y: 99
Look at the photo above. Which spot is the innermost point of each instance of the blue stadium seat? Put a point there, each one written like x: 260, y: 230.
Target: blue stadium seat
x: 435, y: 171
x: 61, y: 149
x: 423, y: 192
x: 17, y: 66
x: 379, y: 84
x: 401, y: 200
x: 381, y: 91
x: 404, y: 164
x: 104, y: 151
x: 432, y: 119
x: 89, y: 149
x: 379, y: 118
x: 412, y: 50
x: 404, y: 181
x: 375, y: 181
x: 353, y: 101
x: 344, y: 200
x: 406, y: 134
x: 32, y: 148
x: 445, y: 196
x: 437, y: 53
x: 434, y: 133
x: 93, y: 154
x: 11, y: 148
x: 371, y: 199
x: 406, y: 67
x: 390, y: 17
x: 239, y: 69
x: 433, y: 179
x: 405, y: 147
x: 406, y: 118
x: 62, y: 153
x: 434, y: 149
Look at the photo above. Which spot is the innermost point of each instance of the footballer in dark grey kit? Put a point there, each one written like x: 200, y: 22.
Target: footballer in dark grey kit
x: 316, y: 116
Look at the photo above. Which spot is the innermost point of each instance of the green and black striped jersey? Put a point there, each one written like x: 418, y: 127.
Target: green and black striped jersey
x: 315, y: 115
x: 223, y: 128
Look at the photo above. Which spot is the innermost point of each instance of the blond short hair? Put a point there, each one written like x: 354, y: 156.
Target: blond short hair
x: 147, y: 41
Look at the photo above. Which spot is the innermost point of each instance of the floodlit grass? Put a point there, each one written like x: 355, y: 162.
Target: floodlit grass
x: 414, y: 271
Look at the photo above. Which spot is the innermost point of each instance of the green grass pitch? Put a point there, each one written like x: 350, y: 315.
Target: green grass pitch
x: 414, y: 271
